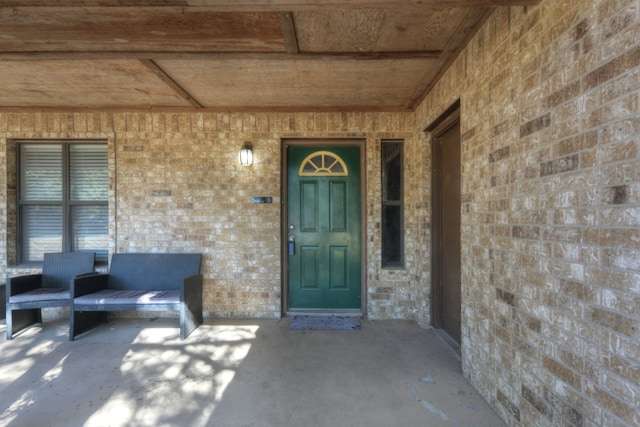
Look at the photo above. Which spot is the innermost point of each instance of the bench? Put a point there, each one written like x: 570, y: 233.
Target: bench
x: 27, y: 295
x: 139, y: 282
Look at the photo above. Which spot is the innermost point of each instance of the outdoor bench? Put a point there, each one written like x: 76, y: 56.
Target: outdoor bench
x: 139, y: 282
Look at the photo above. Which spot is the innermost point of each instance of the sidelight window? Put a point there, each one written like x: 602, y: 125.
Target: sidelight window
x: 392, y: 204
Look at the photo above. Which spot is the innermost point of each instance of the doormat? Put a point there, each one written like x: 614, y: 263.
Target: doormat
x: 335, y: 323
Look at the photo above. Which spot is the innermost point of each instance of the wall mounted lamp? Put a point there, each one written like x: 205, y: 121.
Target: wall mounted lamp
x: 245, y: 155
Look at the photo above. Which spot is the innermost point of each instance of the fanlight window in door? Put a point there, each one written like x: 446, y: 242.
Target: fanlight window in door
x: 323, y: 163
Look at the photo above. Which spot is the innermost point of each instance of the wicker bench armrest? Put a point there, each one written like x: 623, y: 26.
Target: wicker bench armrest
x: 20, y: 284
x: 88, y: 284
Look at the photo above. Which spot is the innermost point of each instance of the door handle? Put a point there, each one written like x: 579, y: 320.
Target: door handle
x: 291, y: 245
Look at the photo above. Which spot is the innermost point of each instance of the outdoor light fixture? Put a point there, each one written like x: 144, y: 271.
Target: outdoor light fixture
x: 245, y: 155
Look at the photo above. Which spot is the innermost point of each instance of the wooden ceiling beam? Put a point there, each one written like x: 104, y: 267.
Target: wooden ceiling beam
x: 179, y: 90
x: 152, y: 55
x: 356, y: 4
x: 91, y: 3
x: 289, y: 32
x: 272, y: 5
x: 219, y: 109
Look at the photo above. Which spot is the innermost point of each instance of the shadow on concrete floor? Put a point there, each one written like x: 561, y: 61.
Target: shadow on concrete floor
x: 136, y: 372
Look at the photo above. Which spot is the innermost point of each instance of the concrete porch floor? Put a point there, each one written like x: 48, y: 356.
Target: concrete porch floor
x: 136, y: 372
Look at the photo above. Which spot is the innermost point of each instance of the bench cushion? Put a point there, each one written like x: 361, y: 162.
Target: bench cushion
x: 41, y: 294
x: 116, y: 297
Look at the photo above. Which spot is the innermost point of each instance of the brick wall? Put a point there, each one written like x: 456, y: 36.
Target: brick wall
x: 176, y: 186
x: 551, y: 205
x: 551, y: 210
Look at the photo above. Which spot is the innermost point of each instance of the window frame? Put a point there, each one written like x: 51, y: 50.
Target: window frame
x: 66, y: 203
x: 385, y: 202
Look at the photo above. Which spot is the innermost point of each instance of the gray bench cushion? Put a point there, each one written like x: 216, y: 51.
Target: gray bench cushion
x: 41, y: 294
x: 116, y: 297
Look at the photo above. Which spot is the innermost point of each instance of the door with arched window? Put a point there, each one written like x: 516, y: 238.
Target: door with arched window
x: 324, y: 236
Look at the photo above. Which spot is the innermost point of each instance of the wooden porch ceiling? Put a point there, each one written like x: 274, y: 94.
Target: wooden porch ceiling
x: 235, y: 55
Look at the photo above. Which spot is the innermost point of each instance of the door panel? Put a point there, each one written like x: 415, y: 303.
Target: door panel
x: 339, y: 268
x: 309, y: 267
x: 338, y: 209
x: 446, y: 228
x: 309, y: 212
x: 325, y: 215
x: 450, y: 208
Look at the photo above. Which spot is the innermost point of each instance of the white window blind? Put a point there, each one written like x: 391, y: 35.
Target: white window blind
x: 90, y: 231
x: 88, y: 172
x: 41, y: 177
x: 41, y: 231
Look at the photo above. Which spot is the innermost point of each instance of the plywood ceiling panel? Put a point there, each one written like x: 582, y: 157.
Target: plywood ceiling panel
x: 83, y: 84
x: 278, y: 5
x: 376, y: 30
x: 305, y: 83
x: 231, y: 54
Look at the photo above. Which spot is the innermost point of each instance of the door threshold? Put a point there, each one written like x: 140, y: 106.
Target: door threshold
x: 450, y: 342
x: 323, y: 312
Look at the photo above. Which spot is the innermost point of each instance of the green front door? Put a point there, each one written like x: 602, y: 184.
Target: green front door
x: 324, y: 228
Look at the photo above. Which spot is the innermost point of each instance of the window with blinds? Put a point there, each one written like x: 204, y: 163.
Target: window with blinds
x: 63, y: 198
